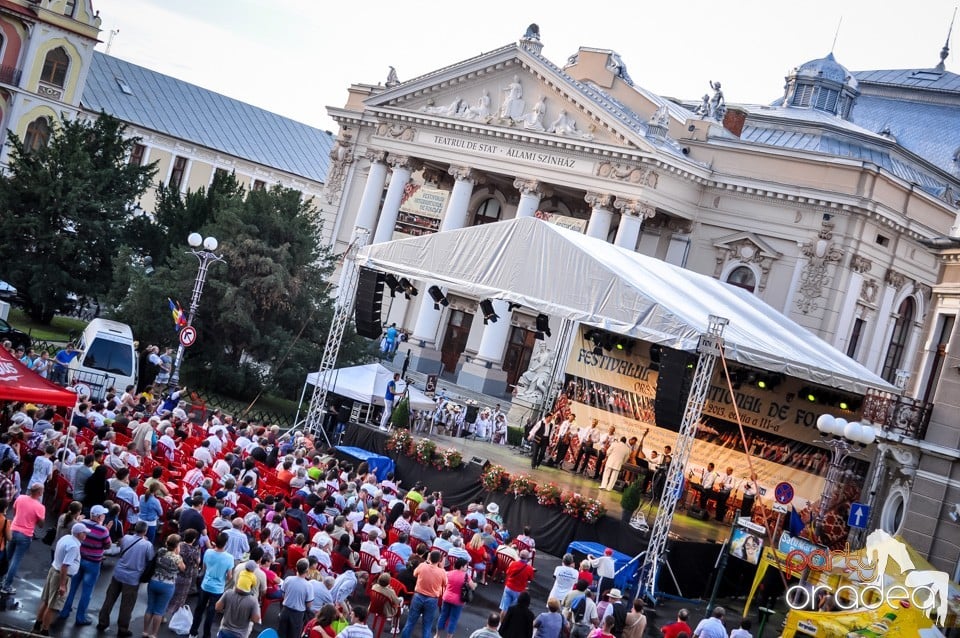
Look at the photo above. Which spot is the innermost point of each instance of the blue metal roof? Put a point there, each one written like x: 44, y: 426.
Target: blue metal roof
x: 185, y: 111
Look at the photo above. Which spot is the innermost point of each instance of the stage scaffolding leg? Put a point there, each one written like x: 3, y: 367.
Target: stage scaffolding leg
x: 709, y: 348
x: 341, y: 315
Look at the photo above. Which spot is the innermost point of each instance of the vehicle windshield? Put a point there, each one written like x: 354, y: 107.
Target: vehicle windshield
x: 110, y: 356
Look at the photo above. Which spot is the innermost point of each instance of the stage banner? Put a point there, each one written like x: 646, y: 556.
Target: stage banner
x: 563, y: 221
x: 619, y: 389
x: 886, y: 620
x: 421, y: 209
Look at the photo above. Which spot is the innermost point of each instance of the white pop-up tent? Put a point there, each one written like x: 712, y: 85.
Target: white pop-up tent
x: 566, y: 274
x: 367, y: 384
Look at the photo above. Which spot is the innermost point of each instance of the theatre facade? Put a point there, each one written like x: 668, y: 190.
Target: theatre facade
x: 808, y: 203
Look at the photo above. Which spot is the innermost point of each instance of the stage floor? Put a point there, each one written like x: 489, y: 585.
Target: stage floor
x: 684, y: 527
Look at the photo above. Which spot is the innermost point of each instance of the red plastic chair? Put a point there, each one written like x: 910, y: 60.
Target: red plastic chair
x: 520, y: 545
x: 394, y: 561
x: 500, y: 566
x: 338, y: 563
x: 264, y: 606
x: 367, y: 561
x: 393, y: 535
x: 377, y: 603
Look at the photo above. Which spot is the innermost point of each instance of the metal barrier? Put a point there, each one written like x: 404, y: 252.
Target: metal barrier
x: 98, y: 382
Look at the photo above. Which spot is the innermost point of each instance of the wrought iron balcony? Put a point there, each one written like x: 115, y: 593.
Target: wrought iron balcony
x: 10, y: 75
x: 897, y: 414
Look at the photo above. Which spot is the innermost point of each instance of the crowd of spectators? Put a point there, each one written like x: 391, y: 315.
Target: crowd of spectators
x: 244, y: 517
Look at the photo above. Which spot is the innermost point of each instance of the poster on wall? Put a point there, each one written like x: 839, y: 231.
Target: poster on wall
x: 746, y: 544
x: 564, y: 221
x: 421, y: 209
x: 618, y: 388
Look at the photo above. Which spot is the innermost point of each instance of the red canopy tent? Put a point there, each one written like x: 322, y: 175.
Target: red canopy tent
x: 17, y: 383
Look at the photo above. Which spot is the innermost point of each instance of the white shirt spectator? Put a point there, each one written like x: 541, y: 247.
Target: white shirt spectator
x: 216, y: 445
x: 203, y: 454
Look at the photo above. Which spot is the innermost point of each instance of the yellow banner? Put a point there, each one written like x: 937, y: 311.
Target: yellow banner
x: 885, y: 621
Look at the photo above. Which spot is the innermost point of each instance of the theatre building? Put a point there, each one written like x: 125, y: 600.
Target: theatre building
x: 834, y: 204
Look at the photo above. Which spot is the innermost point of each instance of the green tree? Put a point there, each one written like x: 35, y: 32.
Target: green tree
x: 64, y: 210
x: 265, y: 313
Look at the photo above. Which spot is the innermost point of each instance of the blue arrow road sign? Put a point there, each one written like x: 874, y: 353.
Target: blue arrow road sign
x: 859, y: 515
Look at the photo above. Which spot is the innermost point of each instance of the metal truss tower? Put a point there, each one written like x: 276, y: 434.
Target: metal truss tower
x: 709, y: 348
x: 341, y: 316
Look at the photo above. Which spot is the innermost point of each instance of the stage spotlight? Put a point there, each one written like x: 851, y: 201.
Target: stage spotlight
x: 438, y: 297
x: 655, y: 350
x: 538, y: 336
x: 489, y: 314
x: 809, y: 394
x: 598, y: 349
x: 408, y: 288
x: 543, y: 324
x: 393, y: 283
x: 513, y: 306
x: 843, y: 405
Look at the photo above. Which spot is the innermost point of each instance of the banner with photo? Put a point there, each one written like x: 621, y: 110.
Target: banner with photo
x: 421, y: 209
x: 619, y: 389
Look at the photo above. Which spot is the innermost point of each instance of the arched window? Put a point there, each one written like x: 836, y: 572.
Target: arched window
x: 898, y: 340
x: 742, y: 277
x: 487, y: 212
x: 38, y: 134
x: 55, y: 67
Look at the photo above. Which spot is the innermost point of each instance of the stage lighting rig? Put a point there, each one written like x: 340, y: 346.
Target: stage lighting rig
x: 439, y: 299
x: 543, y: 324
x: 489, y: 314
x: 408, y: 288
x: 393, y: 284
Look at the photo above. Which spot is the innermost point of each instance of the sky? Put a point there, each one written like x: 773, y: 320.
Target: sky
x: 296, y: 57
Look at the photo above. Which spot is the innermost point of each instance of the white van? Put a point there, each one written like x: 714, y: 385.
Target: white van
x: 107, y: 358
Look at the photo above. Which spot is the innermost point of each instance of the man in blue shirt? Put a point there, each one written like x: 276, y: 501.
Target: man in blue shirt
x: 61, y: 361
x: 388, y: 398
x: 135, y: 552
x: 217, y: 570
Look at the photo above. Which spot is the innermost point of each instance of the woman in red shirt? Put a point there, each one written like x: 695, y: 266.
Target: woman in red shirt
x: 478, y: 555
x: 585, y: 572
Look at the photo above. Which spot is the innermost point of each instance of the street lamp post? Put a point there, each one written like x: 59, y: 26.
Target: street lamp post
x: 843, y: 438
x: 202, y: 249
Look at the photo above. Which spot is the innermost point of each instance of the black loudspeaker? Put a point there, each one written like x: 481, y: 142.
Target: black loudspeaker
x: 343, y: 412
x: 696, y: 512
x: 366, y: 312
x: 673, y: 387
x: 472, y: 412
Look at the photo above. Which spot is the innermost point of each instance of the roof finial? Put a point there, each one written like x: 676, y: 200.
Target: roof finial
x: 945, y: 51
x: 836, y: 35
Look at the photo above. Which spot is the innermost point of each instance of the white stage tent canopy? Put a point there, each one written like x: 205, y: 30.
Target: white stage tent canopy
x: 566, y: 274
x: 367, y: 384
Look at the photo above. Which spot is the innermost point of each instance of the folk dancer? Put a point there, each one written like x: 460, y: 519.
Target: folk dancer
x: 539, y: 437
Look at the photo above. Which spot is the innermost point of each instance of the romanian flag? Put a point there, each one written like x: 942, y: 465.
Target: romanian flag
x: 179, y: 317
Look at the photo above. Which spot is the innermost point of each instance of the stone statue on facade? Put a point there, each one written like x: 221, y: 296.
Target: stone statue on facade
x: 512, y: 107
x: 567, y: 126
x: 718, y: 106
x: 704, y: 109
x: 532, y: 33
x: 533, y: 121
x: 534, y: 384
x: 452, y: 110
x: 481, y: 111
x: 392, y: 79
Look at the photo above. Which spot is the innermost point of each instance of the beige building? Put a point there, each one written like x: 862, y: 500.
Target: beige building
x: 48, y: 67
x: 829, y: 204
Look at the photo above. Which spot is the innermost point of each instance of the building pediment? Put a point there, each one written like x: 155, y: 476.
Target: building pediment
x: 746, y: 247
x: 511, y: 88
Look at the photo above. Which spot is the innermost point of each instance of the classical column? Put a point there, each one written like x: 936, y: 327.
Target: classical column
x: 632, y: 214
x: 428, y: 319
x: 600, y: 215
x: 495, y: 335
x: 679, y: 245
x: 458, y: 208
x: 530, y: 194
x: 373, y: 190
x: 403, y: 167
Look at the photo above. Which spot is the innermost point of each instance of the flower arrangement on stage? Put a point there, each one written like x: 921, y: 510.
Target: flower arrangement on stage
x: 588, y: 510
x: 548, y: 494
x: 522, y: 485
x: 423, y: 451
x: 448, y: 459
x: 400, y: 441
x: 492, y: 478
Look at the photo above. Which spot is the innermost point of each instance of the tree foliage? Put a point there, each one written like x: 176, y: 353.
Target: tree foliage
x: 264, y: 314
x: 64, y: 212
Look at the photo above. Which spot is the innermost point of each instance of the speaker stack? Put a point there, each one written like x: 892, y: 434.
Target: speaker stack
x: 673, y: 387
x: 366, y: 312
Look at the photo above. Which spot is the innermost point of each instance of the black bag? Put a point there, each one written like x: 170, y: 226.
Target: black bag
x: 466, y: 593
x: 579, y: 608
x: 50, y: 536
x: 149, y: 570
